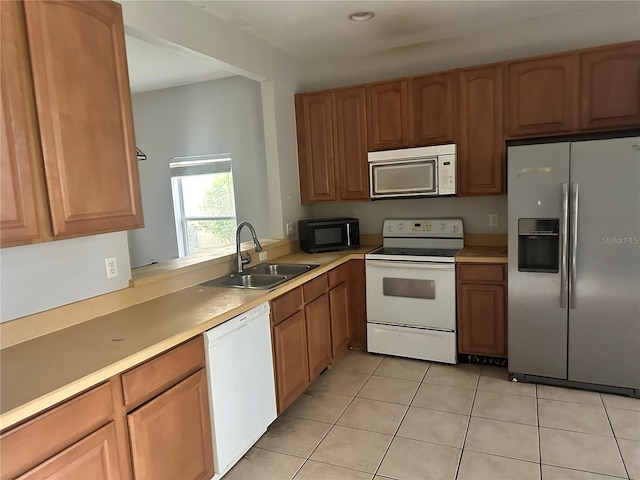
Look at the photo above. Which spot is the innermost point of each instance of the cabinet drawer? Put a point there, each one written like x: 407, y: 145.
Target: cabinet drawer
x: 49, y: 433
x: 160, y: 373
x: 314, y: 288
x: 338, y: 275
x: 286, y: 305
x: 482, y: 273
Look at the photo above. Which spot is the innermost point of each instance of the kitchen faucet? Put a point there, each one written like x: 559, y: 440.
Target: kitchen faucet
x: 246, y: 259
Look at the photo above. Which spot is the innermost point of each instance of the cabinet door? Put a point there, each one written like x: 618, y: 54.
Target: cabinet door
x: 84, y: 112
x: 20, y: 156
x: 315, y: 147
x: 432, y: 99
x: 482, y: 326
x: 542, y: 96
x: 292, y: 364
x: 351, y: 143
x: 339, y: 305
x: 93, y: 457
x: 610, y: 87
x: 318, y: 335
x: 481, y: 159
x: 388, y: 111
x: 357, y: 305
x: 171, y: 434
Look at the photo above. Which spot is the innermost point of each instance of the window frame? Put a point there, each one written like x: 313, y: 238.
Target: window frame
x: 181, y: 167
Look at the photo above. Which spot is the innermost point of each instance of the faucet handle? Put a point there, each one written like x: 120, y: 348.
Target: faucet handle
x: 246, y: 258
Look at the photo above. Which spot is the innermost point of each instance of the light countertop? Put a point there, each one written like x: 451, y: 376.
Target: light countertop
x: 42, y: 372
x: 482, y: 254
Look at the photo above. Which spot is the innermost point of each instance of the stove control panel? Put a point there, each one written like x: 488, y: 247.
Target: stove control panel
x: 423, y: 227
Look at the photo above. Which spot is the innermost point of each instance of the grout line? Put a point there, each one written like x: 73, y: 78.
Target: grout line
x: 393, y: 436
x: 624, y: 464
x: 538, y: 431
x: 466, y: 433
x: 335, y: 422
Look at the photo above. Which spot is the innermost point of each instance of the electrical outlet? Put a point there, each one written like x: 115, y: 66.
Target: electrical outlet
x: 262, y: 256
x: 112, y: 267
x: 493, y: 219
x: 289, y: 227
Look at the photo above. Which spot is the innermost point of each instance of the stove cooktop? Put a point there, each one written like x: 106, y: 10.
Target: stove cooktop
x: 416, y: 252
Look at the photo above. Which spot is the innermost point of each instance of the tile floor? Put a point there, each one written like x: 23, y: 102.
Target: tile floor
x: 377, y: 417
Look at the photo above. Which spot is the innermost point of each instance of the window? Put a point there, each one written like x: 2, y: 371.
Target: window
x: 203, y: 202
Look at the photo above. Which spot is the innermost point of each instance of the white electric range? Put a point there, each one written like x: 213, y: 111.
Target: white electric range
x: 411, y: 289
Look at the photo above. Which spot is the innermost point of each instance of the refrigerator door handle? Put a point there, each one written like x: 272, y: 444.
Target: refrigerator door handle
x: 574, y: 243
x: 564, y: 245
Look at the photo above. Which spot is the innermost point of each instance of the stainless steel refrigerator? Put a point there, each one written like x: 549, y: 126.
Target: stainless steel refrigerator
x: 574, y: 263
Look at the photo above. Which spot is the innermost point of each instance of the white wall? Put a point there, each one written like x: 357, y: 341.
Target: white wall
x: 186, y: 25
x: 219, y: 116
x: 474, y: 212
x: 35, y: 278
x: 39, y: 277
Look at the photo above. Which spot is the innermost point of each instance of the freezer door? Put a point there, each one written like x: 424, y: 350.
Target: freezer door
x: 537, y: 313
x: 604, y: 323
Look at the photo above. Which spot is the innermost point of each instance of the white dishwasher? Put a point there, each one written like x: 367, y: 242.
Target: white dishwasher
x: 242, y: 396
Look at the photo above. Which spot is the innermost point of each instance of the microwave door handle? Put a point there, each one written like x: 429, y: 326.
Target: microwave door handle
x: 348, y: 234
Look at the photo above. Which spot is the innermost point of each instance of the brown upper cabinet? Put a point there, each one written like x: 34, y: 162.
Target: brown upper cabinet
x: 542, y: 96
x: 84, y: 124
x: 23, y: 190
x: 350, y: 147
x: 610, y: 87
x: 315, y: 147
x: 332, y: 145
x: 433, y: 114
x: 388, y: 121
x: 476, y: 108
x: 480, y: 156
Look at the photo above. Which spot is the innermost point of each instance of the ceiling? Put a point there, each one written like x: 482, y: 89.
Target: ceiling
x: 317, y: 33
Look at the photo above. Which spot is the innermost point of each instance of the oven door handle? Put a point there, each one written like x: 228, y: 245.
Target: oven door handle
x: 403, y: 264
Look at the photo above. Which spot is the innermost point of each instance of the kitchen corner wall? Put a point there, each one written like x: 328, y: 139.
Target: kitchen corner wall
x: 474, y: 212
x: 46, y: 275
x: 218, y: 116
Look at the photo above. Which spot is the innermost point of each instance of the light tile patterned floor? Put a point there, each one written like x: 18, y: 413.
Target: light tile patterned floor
x: 377, y: 417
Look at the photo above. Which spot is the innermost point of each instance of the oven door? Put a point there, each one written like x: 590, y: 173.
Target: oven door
x: 417, y: 294
x: 405, y: 178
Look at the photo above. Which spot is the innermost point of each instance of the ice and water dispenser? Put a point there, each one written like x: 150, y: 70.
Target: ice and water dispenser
x: 538, y: 245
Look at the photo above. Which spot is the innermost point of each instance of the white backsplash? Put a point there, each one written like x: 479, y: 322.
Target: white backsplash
x: 474, y: 212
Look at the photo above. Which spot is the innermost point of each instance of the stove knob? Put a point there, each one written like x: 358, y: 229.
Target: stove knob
x: 401, y: 226
x: 390, y: 228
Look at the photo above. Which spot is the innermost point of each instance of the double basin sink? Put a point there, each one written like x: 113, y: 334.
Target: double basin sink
x: 263, y: 276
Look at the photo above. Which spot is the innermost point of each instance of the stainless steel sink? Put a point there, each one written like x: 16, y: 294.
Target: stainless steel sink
x: 289, y: 269
x: 253, y: 280
x: 264, y: 276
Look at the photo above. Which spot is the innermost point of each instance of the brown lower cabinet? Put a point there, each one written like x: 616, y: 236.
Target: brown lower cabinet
x: 312, y: 327
x: 164, y: 401
x: 482, y: 313
x: 316, y: 316
x: 92, y: 457
x: 357, y: 306
x: 291, y: 361
x: 171, y: 434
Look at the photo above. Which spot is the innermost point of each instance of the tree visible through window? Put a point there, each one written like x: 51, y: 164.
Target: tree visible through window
x: 203, y: 202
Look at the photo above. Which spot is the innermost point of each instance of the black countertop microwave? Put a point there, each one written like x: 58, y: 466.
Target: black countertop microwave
x: 329, y: 234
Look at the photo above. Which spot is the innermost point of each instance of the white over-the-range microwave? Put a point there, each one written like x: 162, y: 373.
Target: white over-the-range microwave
x: 413, y: 172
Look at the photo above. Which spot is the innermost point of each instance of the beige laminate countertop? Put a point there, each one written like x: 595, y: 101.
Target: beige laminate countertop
x: 484, y: 254
x: 42, y: 372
